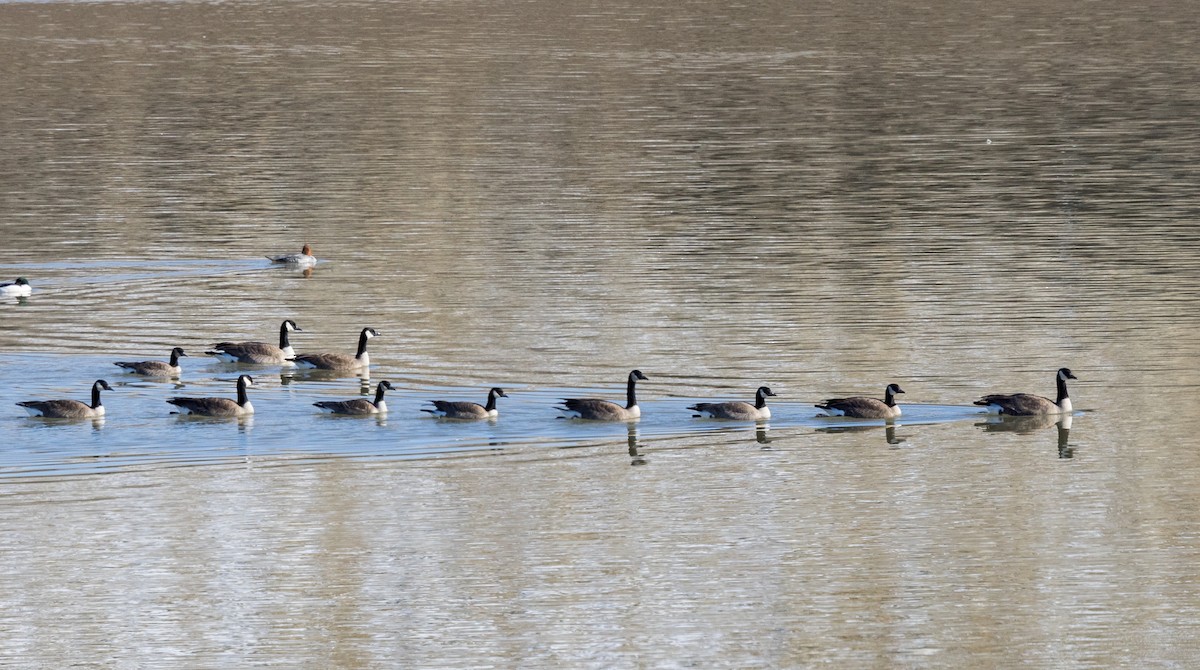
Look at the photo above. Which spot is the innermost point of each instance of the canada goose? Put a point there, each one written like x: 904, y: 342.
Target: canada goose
x: 218, y: 406
x: 447, y: 409
x: 604, y: 410
x: 741, y: 411
x: 68, y: 409
x: 155, y: 368
x: 259, y: 353
x: 864, y: 408
x: 16, y: 289
x: 1026, y: 404
x: 302, y: 259
x: 358, y: 406
x: 334, y: 361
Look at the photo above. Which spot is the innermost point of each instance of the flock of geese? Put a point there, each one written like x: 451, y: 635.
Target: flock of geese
x: 592, y: 409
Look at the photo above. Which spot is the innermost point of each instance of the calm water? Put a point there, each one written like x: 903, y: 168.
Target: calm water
x: 957, y: 197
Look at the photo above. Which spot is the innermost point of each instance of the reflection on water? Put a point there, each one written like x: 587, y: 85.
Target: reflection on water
x: 889, y: 431
x: 760, y: 434
x: 542, y: 196
x: 638, y: 458
x: 1031, y: 424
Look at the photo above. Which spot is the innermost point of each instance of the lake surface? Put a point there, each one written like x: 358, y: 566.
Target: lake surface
x: 956, y: 197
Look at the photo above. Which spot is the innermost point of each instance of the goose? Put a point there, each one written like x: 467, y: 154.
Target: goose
x: 218, y: 406
x: 358, y: 406
x: 864, y: 408
x: 1026, y: 404
x: 302, y: 259
x: 155, y: 368
x: 259, y: 353
x: 68, y: 409
x: 447, y: 409
x: 334, y: 361
x: 16, y: 289
x: 741, y: 411
x: 604, y: 410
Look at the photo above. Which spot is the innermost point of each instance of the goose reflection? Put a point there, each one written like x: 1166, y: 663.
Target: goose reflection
x: 634, y: 452
x: 289, y: 375
x: 889, y: 432
x: 760, y: 434
x: 1024, y: 425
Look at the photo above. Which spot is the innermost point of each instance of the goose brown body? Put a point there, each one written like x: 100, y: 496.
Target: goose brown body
x: 1027, y: 404
x: 358, y: 406
x: 69, y: 409
x: 259, y: 353
x: 450, y: 409
x: 860, y: 407
x: 736, y: 410
x: 595, y: 409
x: 155, y: 368
x: 339, y: 361
x: 218, y: 406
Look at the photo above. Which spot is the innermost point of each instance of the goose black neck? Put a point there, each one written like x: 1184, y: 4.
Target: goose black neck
x: 1062, y: 390
x: 241, y: 396
x: 284, y: 343
x: 630, y: 393
x: 362, y: 344
x: 95, y: 395
x: 379, y: 390
x: 889, y: 398
x: 760, y: 399
x: 491, y: 401
x: 174, y: 358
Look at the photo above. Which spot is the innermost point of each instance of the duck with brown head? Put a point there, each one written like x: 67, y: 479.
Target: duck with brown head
x: 302, y: 259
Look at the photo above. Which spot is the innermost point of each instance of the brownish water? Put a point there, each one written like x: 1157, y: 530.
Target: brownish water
x: 954, y: 196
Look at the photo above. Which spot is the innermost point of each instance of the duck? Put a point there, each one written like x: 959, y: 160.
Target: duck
x: 358, y: 406
x: 259, y: 353
x: 16, y: 289
x: 302, y: 259
x: 69, y: 409
x: 737, y: 410
x: 218, y: 406
x: 337, y: 361
x: 1027, y: 404
x: 448, y: 409
x: 155, y: 368
x: 605, y: 410
x: 864, y: 408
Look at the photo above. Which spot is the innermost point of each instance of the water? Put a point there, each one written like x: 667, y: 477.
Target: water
x: 544, y: 196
